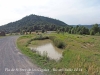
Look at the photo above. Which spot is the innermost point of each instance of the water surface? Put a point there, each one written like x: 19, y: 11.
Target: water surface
x: 49, y: 49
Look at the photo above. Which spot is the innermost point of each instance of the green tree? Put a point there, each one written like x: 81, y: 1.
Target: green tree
x: 43, y: 30
x: 92, y: 32
x: 94, y: 29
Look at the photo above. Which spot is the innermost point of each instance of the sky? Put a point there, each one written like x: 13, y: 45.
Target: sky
x: 72, y: 12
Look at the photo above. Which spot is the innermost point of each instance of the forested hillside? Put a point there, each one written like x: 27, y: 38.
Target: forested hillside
x: 32, y: 22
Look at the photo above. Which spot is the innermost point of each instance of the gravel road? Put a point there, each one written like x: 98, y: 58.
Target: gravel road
x: 12, y: 62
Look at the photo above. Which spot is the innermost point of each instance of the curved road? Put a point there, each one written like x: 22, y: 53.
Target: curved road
x: 12, y: 62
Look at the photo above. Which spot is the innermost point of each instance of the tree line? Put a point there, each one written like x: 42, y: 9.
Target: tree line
x: 95, y: 30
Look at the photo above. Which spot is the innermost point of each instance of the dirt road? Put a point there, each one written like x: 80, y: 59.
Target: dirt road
x: 12, y: 62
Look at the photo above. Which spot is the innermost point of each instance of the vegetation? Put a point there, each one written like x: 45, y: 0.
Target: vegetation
x: 32, y: 23
x: 80, y: 57
x: 95, y: 30
x: 58, y: 42
x: 87, y: 26
x: 41, y: 37
x: 81, y: 49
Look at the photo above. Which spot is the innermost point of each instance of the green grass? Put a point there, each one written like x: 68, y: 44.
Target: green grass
x: 82, y: 52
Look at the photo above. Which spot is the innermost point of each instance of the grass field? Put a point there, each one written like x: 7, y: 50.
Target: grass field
x: 81, y: 54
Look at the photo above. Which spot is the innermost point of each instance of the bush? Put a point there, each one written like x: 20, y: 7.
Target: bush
x: 40, y: 37
x: 61, y: 45
x: 58, y: 42
x: 97, y: 34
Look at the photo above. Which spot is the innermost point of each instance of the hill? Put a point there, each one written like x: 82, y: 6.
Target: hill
x: 30, y: 21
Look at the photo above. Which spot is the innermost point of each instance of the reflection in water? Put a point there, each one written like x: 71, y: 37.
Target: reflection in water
x: 52, y: 52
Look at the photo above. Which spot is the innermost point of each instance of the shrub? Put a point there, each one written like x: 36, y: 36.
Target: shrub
x: 61, y: 44
x: 97, y: 34
x: 52, y: 38
x: 58, y: 42
x: 40, y: 37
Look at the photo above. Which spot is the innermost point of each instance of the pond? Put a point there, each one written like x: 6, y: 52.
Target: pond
x: 49, y: 49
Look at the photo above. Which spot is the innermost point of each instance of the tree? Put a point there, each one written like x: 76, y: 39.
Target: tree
x: 94, y: 29
x: 92, y: 32
x: 84, y: 30
x: 43, y: 30
x: 73, y: 31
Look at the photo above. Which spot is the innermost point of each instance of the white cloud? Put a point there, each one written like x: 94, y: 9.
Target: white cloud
x: 69, y: 11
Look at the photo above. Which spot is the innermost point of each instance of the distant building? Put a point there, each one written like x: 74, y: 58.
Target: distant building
x: 2, y: 33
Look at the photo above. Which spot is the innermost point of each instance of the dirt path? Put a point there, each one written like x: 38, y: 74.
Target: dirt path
x: 12, y: 62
